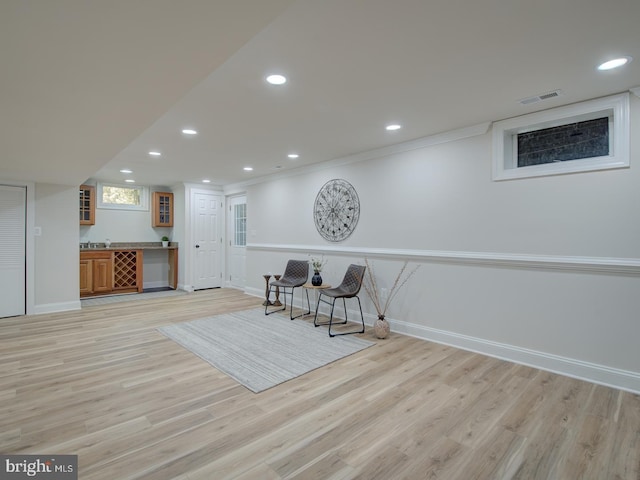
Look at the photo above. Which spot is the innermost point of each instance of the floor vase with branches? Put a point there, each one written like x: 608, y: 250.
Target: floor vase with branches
x: 381, y: 327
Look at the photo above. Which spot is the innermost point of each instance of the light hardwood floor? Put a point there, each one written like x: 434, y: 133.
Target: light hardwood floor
x: 102, y: 383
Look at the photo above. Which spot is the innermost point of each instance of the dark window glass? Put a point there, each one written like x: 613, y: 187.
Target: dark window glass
x: 573, y: 141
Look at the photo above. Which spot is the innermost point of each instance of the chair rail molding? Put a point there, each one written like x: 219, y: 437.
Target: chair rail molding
x: 602, y: 265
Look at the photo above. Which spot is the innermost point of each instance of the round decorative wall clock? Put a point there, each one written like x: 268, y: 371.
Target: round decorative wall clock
x: 337, y: 210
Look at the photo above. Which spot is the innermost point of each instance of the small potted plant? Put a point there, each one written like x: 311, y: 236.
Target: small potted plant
x: 316, y: 264
x: 165, y: 241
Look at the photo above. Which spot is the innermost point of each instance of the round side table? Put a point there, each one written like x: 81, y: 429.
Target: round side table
x: 315, y: 288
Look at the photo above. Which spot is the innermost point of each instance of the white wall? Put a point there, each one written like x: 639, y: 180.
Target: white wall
x: 179, y: 232
x: 124, y: 225
x: 543, y: 271
x: 56, y: 250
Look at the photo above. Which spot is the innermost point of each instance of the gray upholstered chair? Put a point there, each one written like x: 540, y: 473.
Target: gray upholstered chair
x: 349, y: 288
x: 295, y: 275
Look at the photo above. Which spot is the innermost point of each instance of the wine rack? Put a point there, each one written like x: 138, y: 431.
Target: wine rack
x: 127, y: 270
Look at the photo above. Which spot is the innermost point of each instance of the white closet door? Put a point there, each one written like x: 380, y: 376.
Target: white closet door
x: 12, y: 250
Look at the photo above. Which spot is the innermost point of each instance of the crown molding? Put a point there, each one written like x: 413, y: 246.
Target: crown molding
x: 444, y: 137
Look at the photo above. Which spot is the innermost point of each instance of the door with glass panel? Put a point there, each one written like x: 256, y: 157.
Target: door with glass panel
x: 237, y: 234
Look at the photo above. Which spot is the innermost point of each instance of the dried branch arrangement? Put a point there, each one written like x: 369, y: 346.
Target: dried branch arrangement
x: 371, y: 287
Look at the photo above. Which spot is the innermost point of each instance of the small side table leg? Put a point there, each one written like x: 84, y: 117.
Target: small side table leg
x: 277, y: 303
x: 266, y: 292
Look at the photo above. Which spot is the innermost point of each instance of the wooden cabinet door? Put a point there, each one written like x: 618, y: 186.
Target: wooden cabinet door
x: 96, y: 273
x: 86, y: 277
x: 162, y: 206
x: 87, y: 205
x: 102, y: 275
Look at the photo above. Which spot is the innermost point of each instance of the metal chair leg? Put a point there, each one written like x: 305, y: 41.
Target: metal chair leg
x: 315, y: 319
x: 284, y: 303
x: 345, y: 315
x: 302, y: 303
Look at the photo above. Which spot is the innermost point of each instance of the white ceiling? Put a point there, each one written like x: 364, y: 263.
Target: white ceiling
x: 92, y: 87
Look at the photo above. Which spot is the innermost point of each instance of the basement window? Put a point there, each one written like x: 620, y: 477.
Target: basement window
x: 123, y: 197
x: 584, y: 137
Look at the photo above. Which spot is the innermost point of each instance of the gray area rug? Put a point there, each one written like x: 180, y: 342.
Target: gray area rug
x: 261, y: 351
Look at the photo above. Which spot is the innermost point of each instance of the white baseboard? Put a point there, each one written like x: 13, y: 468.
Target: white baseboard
x: 157, y: 284
x: 256, y: 292
x: 57, y: 307
x: 590, y: 372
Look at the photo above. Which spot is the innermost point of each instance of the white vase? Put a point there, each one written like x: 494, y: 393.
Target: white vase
x: 165, y: 243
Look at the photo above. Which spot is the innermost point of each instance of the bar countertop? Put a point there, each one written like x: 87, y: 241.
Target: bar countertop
x: 94, y: 247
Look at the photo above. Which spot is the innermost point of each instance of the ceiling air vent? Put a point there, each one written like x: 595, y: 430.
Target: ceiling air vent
x: 539, y: 98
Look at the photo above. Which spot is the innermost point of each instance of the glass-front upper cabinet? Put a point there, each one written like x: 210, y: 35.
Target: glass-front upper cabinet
x: 87, y: 205
x: 162, y: 206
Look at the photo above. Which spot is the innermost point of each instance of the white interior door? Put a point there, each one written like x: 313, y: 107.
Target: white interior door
x: 237, y: 235
x: 206, y: 211
x: 13, y: 251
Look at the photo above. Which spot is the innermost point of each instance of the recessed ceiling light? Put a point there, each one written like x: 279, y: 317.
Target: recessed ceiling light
x: 130, y: 180
x: 248, y: 169
x: 276, y: 79
x: 189, y: 131
x: 615, y: 63
x: 126, y: 170
x: 293, y: 155
x: 393, y: 127
x: 206, y: 180
x: 154, y: 153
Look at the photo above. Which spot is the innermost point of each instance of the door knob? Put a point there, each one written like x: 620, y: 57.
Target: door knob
x: 197, y: 246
